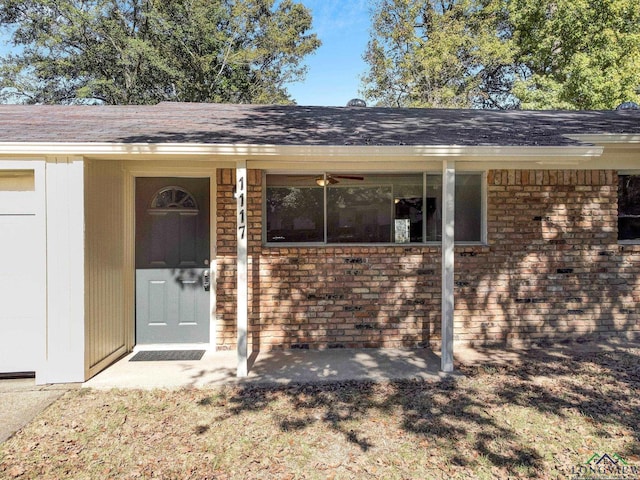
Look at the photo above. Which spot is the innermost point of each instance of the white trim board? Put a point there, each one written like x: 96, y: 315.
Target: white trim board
x: 248, y: 151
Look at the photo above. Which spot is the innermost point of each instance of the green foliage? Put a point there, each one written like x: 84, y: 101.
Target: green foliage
x: 147, y: 51
x: 581, y: 54
x: 437, y: 53
x: 534, y: 54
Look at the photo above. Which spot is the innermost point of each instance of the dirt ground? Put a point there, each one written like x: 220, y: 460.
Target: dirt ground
x: 545, y: 414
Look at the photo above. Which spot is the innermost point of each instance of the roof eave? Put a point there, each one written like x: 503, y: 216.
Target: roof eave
x: 312, y: 152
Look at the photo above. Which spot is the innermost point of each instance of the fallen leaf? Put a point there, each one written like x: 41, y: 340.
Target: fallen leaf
x: 16, y: 471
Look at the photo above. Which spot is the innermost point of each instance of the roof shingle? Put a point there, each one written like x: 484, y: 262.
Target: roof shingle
x: 298, y: 125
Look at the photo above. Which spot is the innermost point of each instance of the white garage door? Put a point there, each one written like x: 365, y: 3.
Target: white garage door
x: 22, y: 267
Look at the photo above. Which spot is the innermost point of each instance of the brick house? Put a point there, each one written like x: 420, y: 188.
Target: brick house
x: 267, y: 227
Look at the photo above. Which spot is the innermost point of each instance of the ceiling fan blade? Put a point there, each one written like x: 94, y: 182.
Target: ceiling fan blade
x: 347, y: 177
x: 331, y: 180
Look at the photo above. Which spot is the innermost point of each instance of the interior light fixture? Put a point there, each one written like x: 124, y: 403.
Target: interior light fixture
x: 324, y: 181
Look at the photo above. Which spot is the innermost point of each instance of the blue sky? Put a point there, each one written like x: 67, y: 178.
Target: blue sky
x: 334, y: 70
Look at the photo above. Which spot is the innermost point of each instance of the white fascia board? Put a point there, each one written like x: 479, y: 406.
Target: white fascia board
x: 111, y: 150
x: 608, y: 138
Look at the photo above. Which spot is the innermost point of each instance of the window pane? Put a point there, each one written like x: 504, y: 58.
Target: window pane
x: 17, y: 181
x: 294, y: 213
x: 407, y: 198
x: 468, y: 208
x: 433, y: 212
x: 468, y: 211
x: 374, y: 208
x: 359, y: 214
x: 628, y: 207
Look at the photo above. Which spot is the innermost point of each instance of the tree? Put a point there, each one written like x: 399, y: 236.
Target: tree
x: 581, y: 54
x: 147, y: 51
x: 438, y: 53
x: 535, y: 54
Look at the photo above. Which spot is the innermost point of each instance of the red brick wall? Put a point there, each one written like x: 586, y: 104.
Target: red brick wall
x: 226, y: 259
x: 349, y: 297
x: 552, y: 270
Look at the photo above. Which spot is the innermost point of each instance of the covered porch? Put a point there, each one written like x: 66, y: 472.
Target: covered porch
x: 275, y: 367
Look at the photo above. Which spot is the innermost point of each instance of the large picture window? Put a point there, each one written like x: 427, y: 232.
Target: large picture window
x: 629, y: 207
x: 368, y: 208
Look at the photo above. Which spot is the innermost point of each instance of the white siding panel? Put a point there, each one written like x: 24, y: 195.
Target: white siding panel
x: 105, y: 324
x: 65, y: 271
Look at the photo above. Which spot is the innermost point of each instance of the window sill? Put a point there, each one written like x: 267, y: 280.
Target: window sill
x: 368, y: 245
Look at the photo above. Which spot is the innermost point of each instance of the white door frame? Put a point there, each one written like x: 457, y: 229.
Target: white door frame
x: 170, y: 169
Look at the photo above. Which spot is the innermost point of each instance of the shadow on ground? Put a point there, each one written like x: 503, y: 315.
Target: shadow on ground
x: 600, y: 384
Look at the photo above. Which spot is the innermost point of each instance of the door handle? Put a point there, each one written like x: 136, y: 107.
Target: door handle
x: 206, y: 281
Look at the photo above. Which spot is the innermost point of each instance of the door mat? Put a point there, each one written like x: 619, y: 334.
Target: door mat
x: 167, y: 355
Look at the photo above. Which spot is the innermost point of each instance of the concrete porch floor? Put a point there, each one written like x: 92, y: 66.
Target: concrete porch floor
x: 277, y: 367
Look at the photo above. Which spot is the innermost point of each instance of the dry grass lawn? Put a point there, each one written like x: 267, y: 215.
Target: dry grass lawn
x: 539, y: 418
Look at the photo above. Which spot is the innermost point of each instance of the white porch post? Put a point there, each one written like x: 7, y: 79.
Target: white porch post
x: 448, y: 224
x: 242, y: 287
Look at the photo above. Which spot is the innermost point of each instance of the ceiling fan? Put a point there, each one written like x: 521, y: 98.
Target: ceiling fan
x: 330, y: 179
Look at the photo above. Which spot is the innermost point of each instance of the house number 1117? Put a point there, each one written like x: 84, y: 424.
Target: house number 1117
x: 242, y: 217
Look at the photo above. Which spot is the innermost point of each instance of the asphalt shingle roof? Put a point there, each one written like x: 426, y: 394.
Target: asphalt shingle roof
x: 298, y: 125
